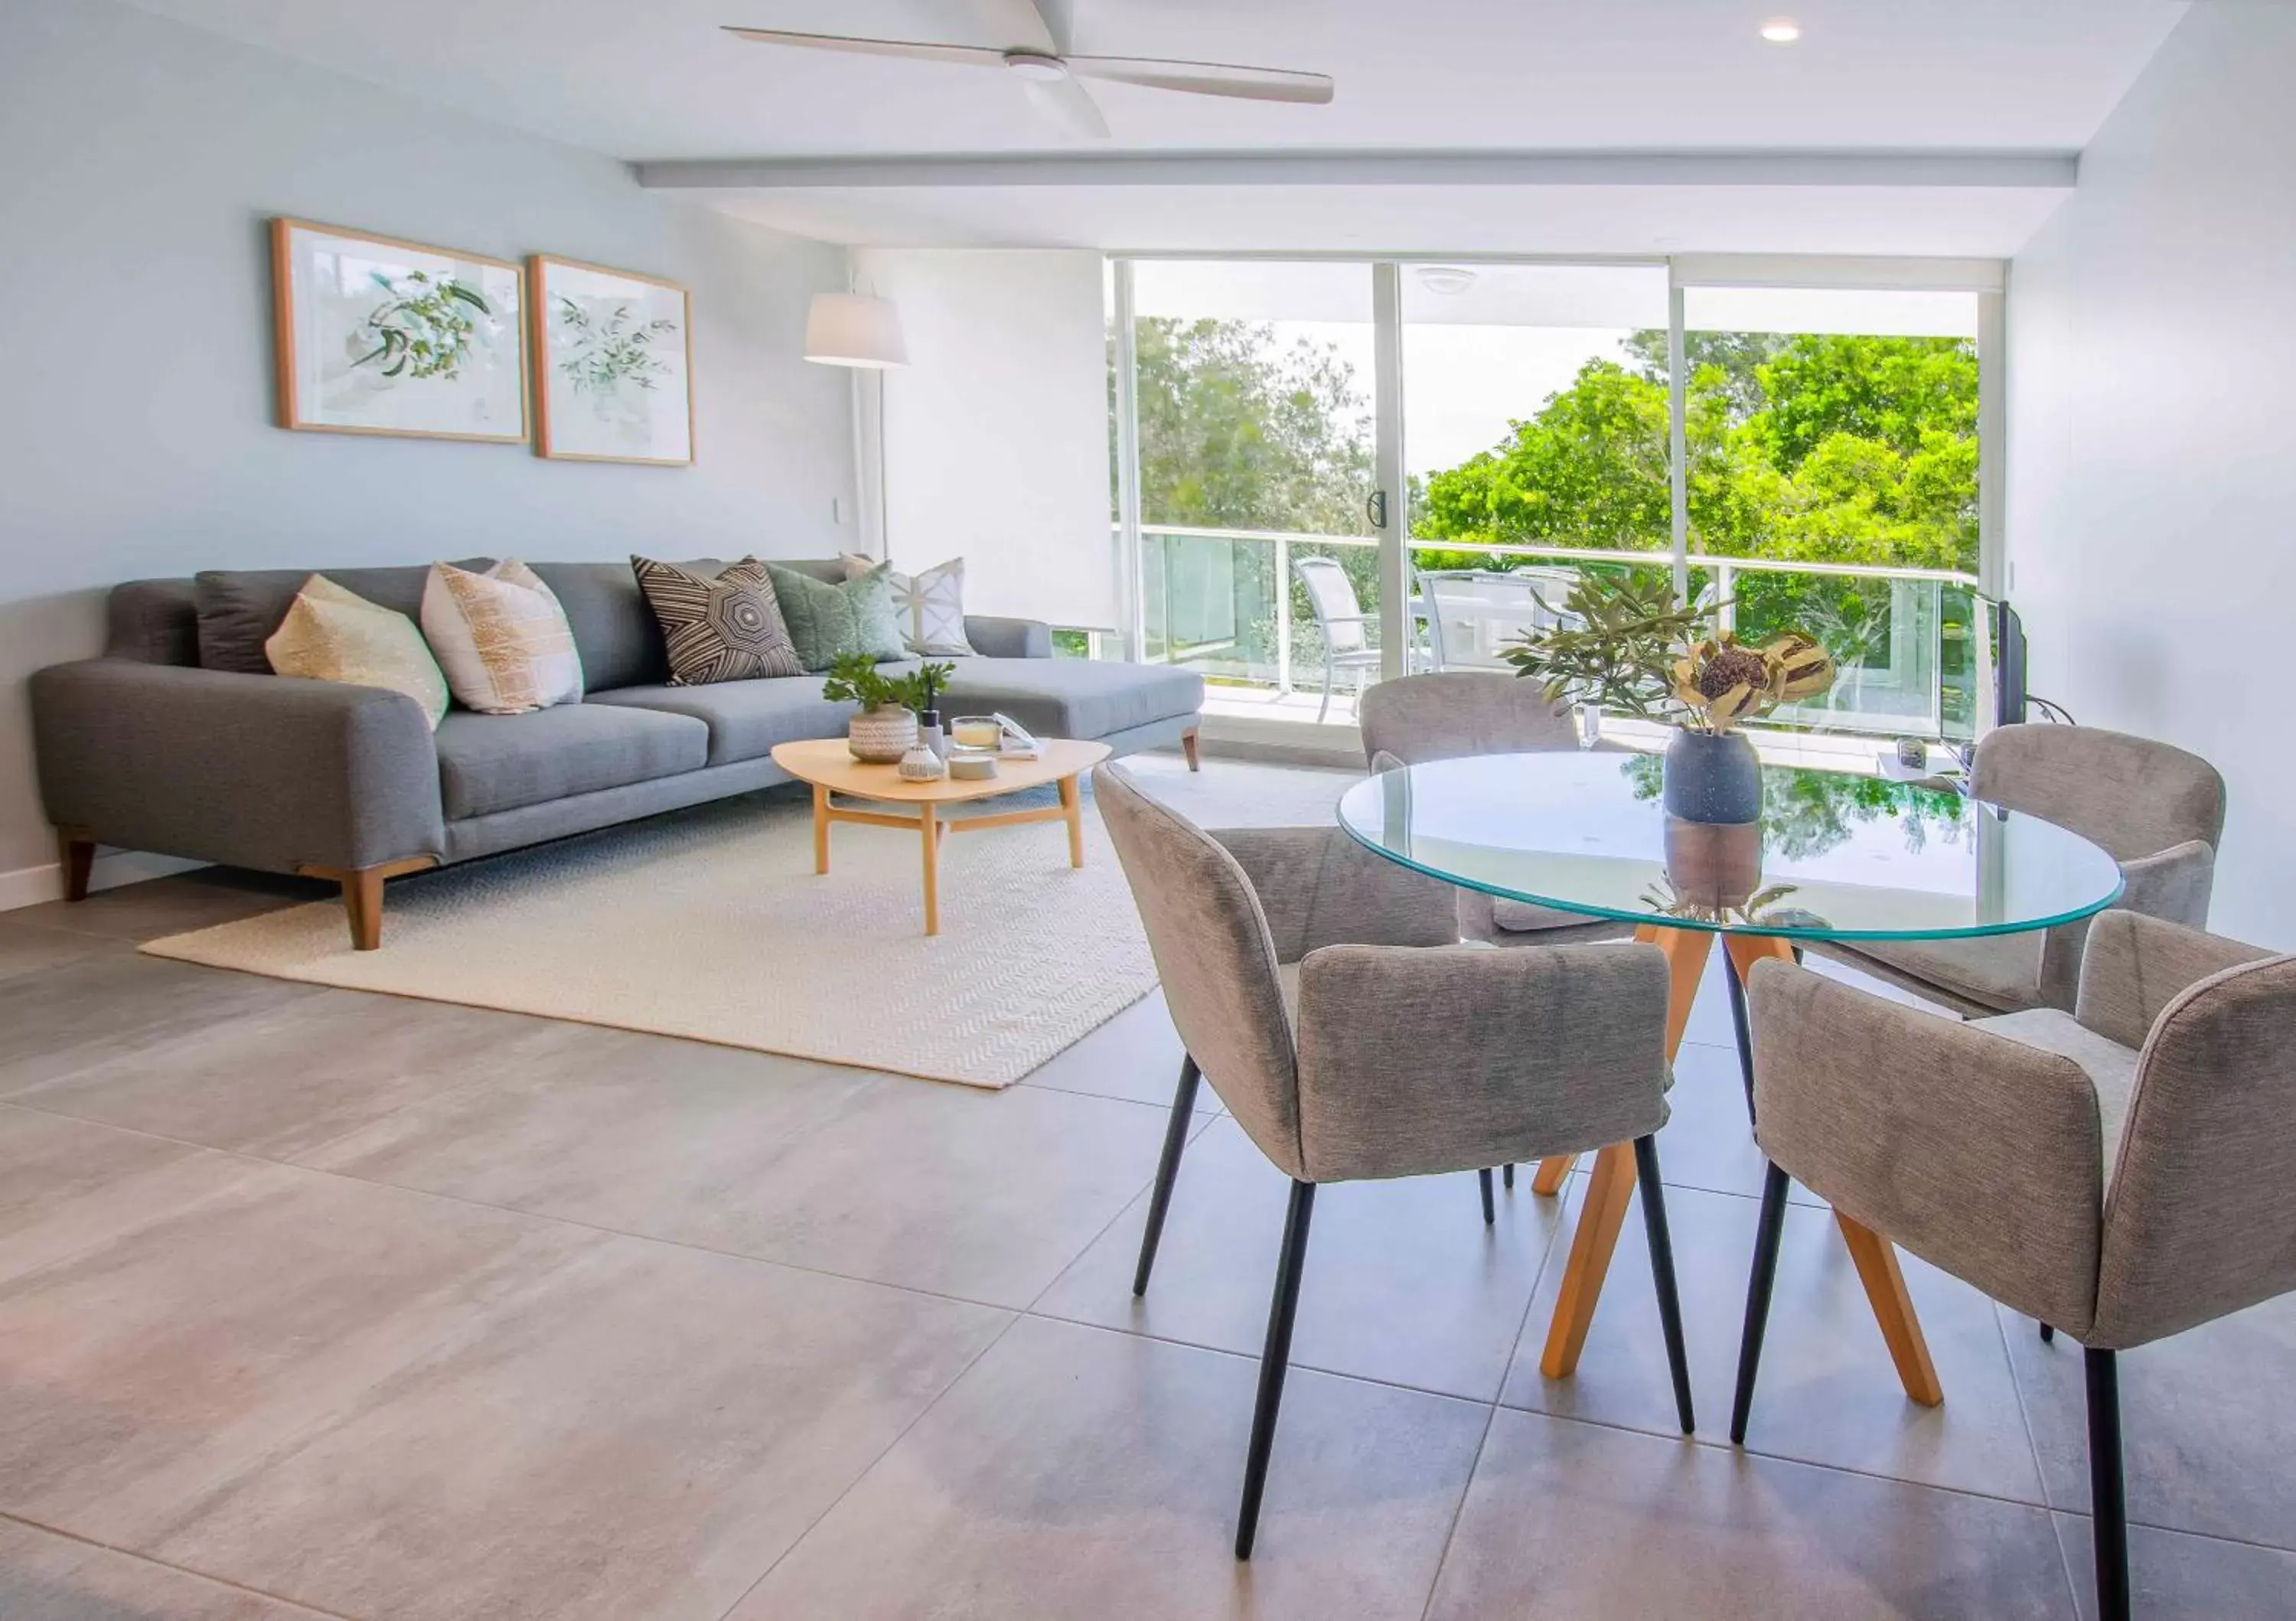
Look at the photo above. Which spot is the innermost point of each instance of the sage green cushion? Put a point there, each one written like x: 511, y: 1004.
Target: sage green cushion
x: 826, y: 622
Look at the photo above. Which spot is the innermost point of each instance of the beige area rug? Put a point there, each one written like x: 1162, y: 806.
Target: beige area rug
x: 710, y: 924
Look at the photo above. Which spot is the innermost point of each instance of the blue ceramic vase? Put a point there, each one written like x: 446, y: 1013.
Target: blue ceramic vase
x: 1713, y: 777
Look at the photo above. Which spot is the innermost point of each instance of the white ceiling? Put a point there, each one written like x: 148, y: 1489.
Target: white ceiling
x: 659, y: 80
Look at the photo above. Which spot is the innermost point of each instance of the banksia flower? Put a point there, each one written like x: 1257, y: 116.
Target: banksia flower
x: 1804, y: 669
x: 1721, y: 680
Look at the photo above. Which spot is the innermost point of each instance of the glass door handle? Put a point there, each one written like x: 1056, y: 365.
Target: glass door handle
x: 1375, y: 509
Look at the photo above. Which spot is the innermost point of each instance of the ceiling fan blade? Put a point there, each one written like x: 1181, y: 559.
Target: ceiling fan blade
x: 1207, y: 78
x: 971, y: 56
x: 1030, y: 25
x: 1069, y: 104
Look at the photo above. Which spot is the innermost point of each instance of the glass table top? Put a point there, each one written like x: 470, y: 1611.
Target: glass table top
x: 1835, y: 857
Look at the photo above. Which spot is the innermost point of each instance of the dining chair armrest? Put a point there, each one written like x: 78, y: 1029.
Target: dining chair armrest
x: 1318, y: 886
x: 1417, y: 1061
x: 1979, y: 1154
x: 2172, y: 885
x: 2136, y: 965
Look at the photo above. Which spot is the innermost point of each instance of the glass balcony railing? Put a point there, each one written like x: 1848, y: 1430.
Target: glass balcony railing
x: 1908, y: 642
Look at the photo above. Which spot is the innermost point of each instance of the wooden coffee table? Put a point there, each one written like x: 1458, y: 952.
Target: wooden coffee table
x: 831, y: 768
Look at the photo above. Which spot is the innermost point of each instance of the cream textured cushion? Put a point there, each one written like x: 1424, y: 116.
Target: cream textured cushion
x: 930, y: 605
x: 333, y: 634
x: 501, y: 638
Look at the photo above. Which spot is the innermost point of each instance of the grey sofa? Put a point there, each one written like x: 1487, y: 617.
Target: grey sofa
x: 179, y: 740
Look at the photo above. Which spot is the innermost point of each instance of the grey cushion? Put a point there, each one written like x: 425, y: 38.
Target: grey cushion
x: 746, y: 718
x: 1081, y: 697
x: 154, y: 622
x: 240, y: 607
x: 489, y: 763
x: 2111, y: 1066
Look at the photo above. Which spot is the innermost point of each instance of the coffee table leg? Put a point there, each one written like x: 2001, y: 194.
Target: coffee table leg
x: 1071, y: 806
x: 929, y: 820
x: 820, y: 829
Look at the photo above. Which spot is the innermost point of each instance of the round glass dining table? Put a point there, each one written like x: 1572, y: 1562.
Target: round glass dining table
x: 1835, y: 857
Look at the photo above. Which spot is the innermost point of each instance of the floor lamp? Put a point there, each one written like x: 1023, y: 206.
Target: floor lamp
x: 862, y: 333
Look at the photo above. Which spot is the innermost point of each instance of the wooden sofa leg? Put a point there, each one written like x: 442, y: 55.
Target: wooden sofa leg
x: 77, y: 847
x: 363, y: 894
x: 1188, y: 748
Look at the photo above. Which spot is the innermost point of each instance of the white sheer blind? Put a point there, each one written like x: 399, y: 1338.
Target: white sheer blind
x: 996, y: 433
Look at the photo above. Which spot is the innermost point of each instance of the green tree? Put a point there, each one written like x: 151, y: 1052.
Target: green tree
x: 1238, y: 431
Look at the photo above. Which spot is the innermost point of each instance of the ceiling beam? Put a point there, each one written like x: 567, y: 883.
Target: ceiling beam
x: 2021, y: 170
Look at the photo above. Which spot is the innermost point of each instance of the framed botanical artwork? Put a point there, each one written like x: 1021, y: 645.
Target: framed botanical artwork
x: 376, y: 335
x: 613, y: 365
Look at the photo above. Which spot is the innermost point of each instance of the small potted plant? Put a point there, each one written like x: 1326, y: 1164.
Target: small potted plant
x: 886, y: 729
x: 1629, y: 646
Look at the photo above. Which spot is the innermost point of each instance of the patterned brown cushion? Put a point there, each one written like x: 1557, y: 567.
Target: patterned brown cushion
x: 729, y: 628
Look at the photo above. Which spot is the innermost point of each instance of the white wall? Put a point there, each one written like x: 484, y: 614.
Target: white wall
x: 139, y: 160
x: 2151, y: 516
x: 997, y: 432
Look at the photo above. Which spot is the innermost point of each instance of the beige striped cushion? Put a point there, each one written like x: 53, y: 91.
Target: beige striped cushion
x: 333, y: 634
x: 501, y: 638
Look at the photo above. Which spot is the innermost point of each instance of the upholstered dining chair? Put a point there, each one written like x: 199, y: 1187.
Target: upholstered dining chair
x: 2123, y: 1173
x: 1315, y: 987
x: 1454, y: 714
x: 2155, y: 809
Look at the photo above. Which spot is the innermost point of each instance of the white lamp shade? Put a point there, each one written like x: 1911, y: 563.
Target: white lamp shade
x: 852, y: 329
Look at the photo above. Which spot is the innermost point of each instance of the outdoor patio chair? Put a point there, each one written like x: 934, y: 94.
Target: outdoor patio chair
x: 1340, y: 619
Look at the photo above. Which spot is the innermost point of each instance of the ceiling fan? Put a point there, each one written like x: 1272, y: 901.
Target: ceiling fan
x: 1049, y: 74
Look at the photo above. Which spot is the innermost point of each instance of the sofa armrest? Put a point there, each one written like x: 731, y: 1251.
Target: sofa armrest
x: 995, y: 638
x: 251, y: 771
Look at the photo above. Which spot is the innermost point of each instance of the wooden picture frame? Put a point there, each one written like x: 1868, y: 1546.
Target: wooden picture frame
x: 370, y: 336
x: 613, y: 364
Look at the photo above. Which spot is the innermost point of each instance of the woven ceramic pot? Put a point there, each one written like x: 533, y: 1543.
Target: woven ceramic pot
x: 921, y: 764
x: 882, y: 736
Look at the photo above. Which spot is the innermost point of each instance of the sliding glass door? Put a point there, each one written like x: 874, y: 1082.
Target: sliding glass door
x: 1535, y: 436
x: 1256, y: 429
x: 1447, y: 445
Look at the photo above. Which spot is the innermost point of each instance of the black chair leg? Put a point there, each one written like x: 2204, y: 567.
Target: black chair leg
x: 1275, y: 1357
x: 1490, y: 1211
x: 1662, y: 1252
x: 1507, y: 1177
x: 1771, y: 1228
x: 2108, y: 1498
x: 1167, y: 1171
x: 2048, y: 1334
x: 1738, y: 1023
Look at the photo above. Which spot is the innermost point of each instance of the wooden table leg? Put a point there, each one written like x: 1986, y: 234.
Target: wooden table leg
x: 1611, y: 1188
x: 1875, y: 1256
x: 1687, y: 951
x: 929, y: 825
x: 820, y: 829
x: 1876, y: 1259
x: 1072, y: 809
x: 1609, y: 1192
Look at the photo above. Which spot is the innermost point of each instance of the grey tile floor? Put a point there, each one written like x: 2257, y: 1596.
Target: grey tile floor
x: 315, y: 1303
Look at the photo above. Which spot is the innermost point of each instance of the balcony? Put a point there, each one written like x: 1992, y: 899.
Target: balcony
x: 1913, y: 661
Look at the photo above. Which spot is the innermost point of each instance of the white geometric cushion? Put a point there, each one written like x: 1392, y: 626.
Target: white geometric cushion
x: 930, y: 605
x: 501, y: 637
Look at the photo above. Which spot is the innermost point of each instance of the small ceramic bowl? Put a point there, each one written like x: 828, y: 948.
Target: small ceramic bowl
x: 971, y: 767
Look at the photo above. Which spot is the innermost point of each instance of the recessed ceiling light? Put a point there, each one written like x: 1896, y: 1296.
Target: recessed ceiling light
x: 1449, y: 280
x: 1781, y: 30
